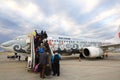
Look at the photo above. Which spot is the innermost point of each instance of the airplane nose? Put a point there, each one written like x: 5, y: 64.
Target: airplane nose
x: 6, y: 44
x: 2, y: 45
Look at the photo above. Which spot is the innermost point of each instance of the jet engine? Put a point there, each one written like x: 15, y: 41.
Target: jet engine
x: 92, y: 52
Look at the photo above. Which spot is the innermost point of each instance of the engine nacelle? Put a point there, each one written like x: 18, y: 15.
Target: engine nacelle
x: 91, y: 52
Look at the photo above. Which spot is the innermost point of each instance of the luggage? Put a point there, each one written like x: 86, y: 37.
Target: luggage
x: 36, y: 69
x: 47, y: 71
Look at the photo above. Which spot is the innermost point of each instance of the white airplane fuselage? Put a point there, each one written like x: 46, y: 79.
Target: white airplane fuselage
x: 88, y: 47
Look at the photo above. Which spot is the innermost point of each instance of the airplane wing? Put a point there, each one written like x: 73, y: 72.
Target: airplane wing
x: 92, y: 52
x: 105, y: 47
x: 108, y: 47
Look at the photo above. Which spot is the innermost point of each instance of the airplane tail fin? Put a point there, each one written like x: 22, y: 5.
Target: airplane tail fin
x: 117, y: 36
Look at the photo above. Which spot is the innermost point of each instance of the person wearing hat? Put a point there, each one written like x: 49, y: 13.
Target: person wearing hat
x: 43, y: 61
x: 35, y: 33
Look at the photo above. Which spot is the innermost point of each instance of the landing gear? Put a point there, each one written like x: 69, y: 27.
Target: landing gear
x: 100, y: 57
x: 106, y: 54
x: 103, y: 56
x: 19, y: 57
x: 16, y: 56
x: 81, y: 56
x: 26, y: 58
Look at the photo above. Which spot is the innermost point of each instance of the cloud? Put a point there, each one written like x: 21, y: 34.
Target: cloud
x: 25, y: 9
x: 28, y: 9
x: 64, y: 23
x: 106, y: 20
x: 104, y: 15
x: 87, y: 6
x: 65, y: 17
x: 5, y: 31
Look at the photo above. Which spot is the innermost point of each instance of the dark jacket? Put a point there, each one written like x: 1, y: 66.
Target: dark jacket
x: 43, y: 58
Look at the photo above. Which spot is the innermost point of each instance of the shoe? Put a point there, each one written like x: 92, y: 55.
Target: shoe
x: 40, y: 76
x: 44, y: 77
x: 54, y: 74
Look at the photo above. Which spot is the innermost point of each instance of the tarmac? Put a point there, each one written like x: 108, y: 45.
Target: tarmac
x: 70, y: 68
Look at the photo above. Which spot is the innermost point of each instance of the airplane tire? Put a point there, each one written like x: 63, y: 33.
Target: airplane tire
x: 26, y: 58
x: 8, y: 57
x: 19, y: 57
x: 81, y: 56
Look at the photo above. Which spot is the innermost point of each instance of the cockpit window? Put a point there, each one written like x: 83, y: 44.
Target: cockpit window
x: 18, y: 38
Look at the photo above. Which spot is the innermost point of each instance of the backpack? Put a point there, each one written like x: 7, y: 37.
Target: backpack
x: 56, y: 58
x: 41, y: 50
x: 36, y: 68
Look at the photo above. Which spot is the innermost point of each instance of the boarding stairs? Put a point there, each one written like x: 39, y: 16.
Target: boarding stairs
x: 32, y: 57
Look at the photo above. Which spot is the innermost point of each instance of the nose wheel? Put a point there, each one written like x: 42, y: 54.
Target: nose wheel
x: 26, y: 58
x: 19, y: 57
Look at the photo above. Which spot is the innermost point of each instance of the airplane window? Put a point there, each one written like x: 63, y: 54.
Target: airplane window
x: 17, y: 39
x: 21, y: 39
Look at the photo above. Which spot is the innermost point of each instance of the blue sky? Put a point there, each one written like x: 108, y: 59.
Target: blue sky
x: 97, y: 19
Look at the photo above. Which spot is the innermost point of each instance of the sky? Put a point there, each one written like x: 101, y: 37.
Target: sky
x: 98, y: 19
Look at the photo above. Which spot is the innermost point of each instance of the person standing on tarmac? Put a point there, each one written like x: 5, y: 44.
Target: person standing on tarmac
x: 56, y: 63
x: 52, y: 64
x: 43, y: 61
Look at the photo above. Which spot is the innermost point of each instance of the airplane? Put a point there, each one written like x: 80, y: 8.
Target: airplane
x: 87, y: 48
